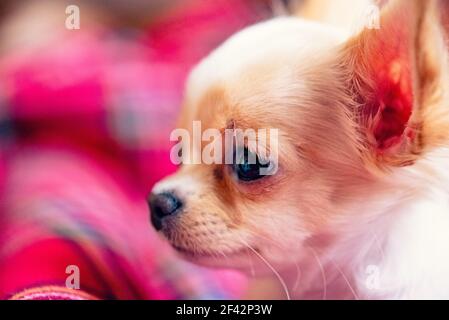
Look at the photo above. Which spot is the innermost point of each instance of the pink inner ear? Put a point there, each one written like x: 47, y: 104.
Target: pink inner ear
x: 392, y: 106
x: 394, y: 113
x: 387, y: 58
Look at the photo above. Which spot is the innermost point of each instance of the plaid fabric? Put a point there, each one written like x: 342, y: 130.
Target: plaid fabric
x: 84, y: 127
x: 65, y: 208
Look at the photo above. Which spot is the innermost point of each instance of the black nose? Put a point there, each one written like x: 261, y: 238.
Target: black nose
x: 163, y: 205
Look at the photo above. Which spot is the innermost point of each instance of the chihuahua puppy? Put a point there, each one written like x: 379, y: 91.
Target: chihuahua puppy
x: 358, y: 207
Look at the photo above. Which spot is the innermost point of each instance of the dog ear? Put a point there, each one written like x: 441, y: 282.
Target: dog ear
x: 395, y: 77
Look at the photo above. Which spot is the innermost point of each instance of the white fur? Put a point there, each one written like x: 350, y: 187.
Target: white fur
x: 288, y: 39
x: 397, y: 247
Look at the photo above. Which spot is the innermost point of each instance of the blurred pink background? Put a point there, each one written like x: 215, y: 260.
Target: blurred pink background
x: 85, y: 117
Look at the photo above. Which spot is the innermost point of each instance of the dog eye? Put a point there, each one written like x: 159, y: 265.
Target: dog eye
x: 248, y: 166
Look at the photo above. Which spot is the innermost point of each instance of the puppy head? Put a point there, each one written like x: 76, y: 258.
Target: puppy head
x: 346, y: 113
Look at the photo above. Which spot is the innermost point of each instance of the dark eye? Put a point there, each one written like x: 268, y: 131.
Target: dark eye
x: 248, y: 166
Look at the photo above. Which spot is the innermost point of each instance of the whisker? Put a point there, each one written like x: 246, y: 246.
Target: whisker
x: 346, y: 280
x: 298, y: 277
x: 278, y: 276
x: 323, y: 273
x: 379, y: 245
x: 251, y: 265
x: 273, y: 242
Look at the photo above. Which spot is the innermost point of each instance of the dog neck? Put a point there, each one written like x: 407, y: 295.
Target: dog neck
x: 396, y: 247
